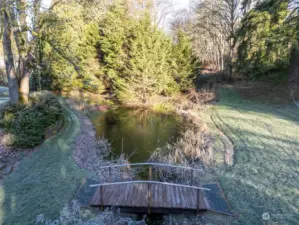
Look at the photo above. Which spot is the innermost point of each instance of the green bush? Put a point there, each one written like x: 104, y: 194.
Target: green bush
x: 27, y: 124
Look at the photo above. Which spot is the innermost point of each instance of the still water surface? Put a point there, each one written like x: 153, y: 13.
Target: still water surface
x: 136, y: 132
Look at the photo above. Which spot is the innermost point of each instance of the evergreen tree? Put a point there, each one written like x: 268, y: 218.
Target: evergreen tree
x: 113, y: 44
x: 265, y: 41
x: 184, y: 63
x: 148, y: 71
x: 88, y: 55
x: 123, y: 53
x: 293, y: 21
x: 69, y: 43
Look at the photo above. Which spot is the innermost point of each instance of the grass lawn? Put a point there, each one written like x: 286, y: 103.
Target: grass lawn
x: 44, y: 182
x: 265, y: 176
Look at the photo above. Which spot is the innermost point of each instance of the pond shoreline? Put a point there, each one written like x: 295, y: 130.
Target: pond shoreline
x: 89, y: 154
x: 86, y: 152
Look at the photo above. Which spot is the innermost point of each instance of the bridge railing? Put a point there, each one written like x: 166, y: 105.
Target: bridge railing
x: 152, y: 165
x: 150, y: 182
x: 199, y: 190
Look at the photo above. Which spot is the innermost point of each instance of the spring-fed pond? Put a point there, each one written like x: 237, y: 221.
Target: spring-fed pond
x: 137, y: 133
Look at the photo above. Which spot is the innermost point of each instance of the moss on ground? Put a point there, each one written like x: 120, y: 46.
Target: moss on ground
x: 44, y: 182
x: 265, y: 176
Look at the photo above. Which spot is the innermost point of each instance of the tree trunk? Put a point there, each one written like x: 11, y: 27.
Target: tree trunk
x: 24, y: 85
x: 27, y: 65
x: 294, y: 68
x: 9, y: 59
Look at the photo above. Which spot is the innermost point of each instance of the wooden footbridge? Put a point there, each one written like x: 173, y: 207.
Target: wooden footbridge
x: 148, y: 196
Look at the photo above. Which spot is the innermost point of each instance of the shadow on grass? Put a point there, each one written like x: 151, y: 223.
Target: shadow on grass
x: 230, y: 98
x: 265, y: 175
x: 45, y: 181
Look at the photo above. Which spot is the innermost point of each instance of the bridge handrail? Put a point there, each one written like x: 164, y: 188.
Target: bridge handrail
x: 149, y: 182
x: 149, y: 164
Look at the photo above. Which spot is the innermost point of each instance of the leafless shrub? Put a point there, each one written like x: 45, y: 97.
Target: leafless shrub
x: 104, y: 147
x: 72, y: 215
x: 204, y: 96
x: 116, y: 174
x: 195, y: 146
x: 192, y: 147
x: 193, y: 96
x: 78, y: 104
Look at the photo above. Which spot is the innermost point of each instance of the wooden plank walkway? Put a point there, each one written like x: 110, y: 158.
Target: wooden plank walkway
x: 150, y: 197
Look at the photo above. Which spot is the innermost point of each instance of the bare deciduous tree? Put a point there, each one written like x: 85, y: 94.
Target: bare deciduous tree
x: 214, y: 32
x: 8, y: 53
x: 17, y: 31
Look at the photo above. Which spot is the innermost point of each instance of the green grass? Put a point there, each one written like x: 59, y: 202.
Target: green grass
x: 265, y: 174
x: 44, y: 182
x: 263, y: 179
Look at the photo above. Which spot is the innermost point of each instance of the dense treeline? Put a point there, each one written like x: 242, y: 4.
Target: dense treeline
x: 138, y: 60
x: 252, y: 39
x: 91, y: 46
x: 118, y: 48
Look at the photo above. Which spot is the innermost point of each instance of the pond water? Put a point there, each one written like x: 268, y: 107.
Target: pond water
x: 136, y: 132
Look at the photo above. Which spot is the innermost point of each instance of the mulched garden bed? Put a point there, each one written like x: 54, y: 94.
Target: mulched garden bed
x: 10, y: 157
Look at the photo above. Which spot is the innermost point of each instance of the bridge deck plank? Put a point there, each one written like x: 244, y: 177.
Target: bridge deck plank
x: 136, y: 196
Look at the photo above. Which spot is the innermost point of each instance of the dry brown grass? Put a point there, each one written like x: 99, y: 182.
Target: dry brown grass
x: 198, y: 148
x: 205, y: 95
x: 80, y: 105
x: 194, y: 149
x: 191, y: 150
x: 191, y: 100
x: 72, y: 214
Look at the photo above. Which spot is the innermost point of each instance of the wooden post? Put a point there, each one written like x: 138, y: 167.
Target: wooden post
x: 198, y: 201
x: 102, y: 198
x: 149, y: 198
x: 110, y: 174
x: 150, y: 174
x: 191, y: 178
